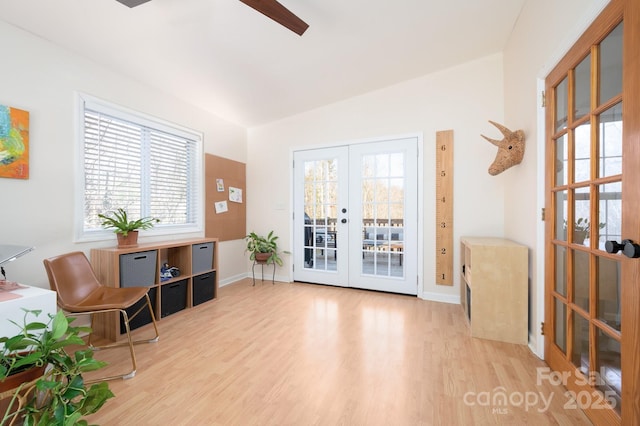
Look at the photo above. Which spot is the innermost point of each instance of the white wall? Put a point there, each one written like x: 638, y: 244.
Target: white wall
x: 41, y: 78
x: 545, y: 30
x: 462, y: 98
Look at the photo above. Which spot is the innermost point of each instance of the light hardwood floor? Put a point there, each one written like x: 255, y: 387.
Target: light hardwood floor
x: 303, y: 354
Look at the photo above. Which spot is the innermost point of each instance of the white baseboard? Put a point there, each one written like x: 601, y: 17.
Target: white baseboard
x: 444, y: 298
x: 534, y: 348
x: 231, y: 280
x: 267, y: 278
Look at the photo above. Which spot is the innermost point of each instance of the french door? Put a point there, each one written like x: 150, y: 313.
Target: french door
x: 593, y: 172
x: 355, y: 220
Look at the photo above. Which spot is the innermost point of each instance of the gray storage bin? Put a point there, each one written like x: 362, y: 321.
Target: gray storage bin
x: 202, y: 257
x: 138, y: 269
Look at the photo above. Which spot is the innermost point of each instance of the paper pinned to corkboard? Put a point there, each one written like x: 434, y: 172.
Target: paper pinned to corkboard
x: 221, y: 207
x: 235, y: 194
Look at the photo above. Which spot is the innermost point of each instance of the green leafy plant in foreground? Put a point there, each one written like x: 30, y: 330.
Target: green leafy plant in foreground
x: 61, y: 395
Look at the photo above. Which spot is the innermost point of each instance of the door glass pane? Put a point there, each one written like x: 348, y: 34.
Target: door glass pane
x: 581, y: 224
x: 582, y: 144
x: 383, y: 214
x: 320, y: 208
x: 561, y: 215
x: 580, y: 352
x: 562, y: 158
x: 396, y: 194
x: 382, y: 165
x: 561, y: 270
x: 396, y: 165
x: 609, y: 310
x: 610, y: 210
x: 382, y: 197
x: 581, y: 279
x: 368, y: 166
x: 609, y: 379
x: 562, y: 108
x: 610, y: 136
x: 381, y: 263
x: 611, y: 65
x: 582, y: 88
x: 561, y: 325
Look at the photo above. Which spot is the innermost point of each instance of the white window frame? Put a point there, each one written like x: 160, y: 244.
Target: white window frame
x: 117, y: 111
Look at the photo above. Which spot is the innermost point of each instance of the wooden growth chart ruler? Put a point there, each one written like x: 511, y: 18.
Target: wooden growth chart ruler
x: 444, y: 207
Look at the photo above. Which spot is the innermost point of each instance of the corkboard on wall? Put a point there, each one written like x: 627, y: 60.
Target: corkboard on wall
x: 230, y: 225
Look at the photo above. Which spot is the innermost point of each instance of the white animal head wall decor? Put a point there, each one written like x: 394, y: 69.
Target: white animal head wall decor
x: 510, y: 149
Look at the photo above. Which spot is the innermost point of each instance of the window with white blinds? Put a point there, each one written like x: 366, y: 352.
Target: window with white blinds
x: 146, y: 166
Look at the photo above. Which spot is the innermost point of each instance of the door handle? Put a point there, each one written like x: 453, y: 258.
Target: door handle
x: 344, y: 221
x: 628, y: 247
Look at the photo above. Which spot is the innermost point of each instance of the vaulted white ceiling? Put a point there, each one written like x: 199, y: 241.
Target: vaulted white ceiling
x: 229, y: 59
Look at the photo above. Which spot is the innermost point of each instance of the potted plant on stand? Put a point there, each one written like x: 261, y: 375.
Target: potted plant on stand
x: 126, y: 230
x: 56, y: 393
x: 263, y: 250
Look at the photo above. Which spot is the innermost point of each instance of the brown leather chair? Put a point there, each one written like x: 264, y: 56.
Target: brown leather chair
x: 79, y: 292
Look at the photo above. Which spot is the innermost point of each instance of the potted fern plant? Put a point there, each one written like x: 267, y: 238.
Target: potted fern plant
x: 55, y: 393
x: 126, y: 229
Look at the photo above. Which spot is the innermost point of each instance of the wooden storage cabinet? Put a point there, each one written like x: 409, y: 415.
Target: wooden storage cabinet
x: 196, y: 259
x: 494, y: 288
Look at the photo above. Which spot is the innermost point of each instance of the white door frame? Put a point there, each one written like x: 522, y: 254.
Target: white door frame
x: 420, y: 189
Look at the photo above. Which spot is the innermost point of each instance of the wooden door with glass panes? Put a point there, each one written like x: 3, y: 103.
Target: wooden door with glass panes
x: 592, y: 299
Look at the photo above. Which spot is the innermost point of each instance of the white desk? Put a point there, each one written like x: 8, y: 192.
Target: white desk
x: 32, y: 298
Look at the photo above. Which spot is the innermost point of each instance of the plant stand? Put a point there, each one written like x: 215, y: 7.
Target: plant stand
x: 253, y: 272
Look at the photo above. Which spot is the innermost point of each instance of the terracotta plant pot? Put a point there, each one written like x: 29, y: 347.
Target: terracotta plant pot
x: 579, y: 236
x: 262, y: 257
x: 130, y: 240
x: 12, y: 382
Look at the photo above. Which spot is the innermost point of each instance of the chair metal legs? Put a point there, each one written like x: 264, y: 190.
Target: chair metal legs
x: 130, y: 342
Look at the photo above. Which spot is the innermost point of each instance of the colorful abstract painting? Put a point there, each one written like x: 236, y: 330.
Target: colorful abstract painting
x: 14, y: 143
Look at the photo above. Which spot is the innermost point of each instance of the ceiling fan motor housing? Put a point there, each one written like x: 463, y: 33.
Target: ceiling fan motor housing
x: 132, y: 3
